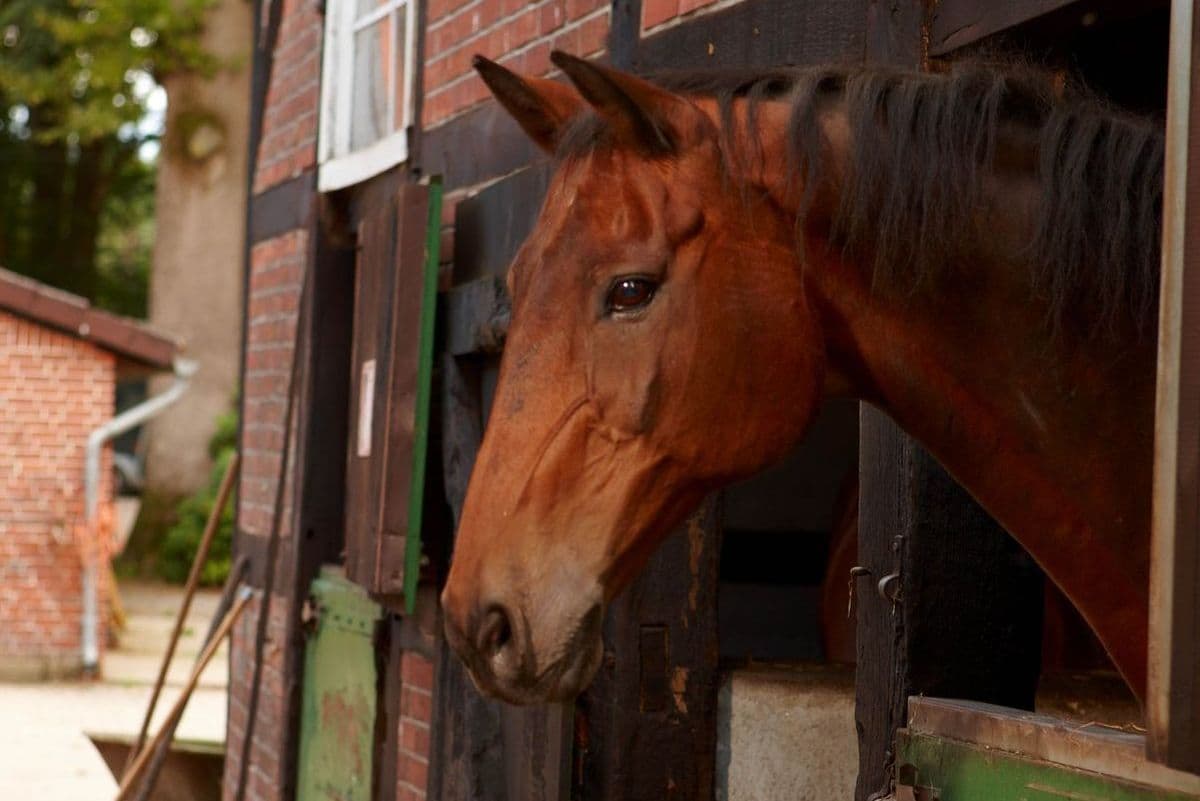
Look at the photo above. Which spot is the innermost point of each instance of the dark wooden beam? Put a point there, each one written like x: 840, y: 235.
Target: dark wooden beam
x: 958, y: 23
x: 951, y: 605
x: 320, y: 458
x: 759, y: 33
x: 282, y: 208
x: 647, y: 727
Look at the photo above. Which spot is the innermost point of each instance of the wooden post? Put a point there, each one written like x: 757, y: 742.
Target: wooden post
x: 647, y: 727
x: 960, y: 610
x: 1173, y: 692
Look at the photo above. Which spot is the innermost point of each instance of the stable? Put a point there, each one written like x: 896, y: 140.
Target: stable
x: 390, y: 197
x: 60, y: 361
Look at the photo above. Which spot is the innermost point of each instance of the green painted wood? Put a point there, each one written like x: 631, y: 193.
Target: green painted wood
x: 337, y: 716
x: 416, y: 497
x: 931, y: 768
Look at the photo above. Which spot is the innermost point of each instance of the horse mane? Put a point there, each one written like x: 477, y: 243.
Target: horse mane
x: 913, y: 204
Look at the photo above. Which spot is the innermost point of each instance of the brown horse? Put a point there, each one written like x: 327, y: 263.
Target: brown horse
x: 973, y: 252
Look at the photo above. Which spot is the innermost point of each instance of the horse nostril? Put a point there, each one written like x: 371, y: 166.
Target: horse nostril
x: 496, y: 632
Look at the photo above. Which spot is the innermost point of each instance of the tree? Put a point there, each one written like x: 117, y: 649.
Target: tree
x: 77, y: 80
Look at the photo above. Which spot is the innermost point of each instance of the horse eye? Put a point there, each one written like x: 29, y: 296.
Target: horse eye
x: 629, y: 294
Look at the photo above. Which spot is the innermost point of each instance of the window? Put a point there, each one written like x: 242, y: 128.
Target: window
x: 367, y: 89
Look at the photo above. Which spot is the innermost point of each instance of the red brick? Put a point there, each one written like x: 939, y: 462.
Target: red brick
x: 656, y: 12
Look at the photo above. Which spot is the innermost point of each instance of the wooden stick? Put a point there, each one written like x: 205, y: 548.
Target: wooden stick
x: 193, y: 581
x: 137, y: 768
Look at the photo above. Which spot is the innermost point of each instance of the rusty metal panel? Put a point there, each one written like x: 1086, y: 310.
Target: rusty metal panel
x: 337, y: 716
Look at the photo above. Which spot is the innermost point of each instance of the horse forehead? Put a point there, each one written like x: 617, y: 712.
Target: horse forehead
x: 606, y: 198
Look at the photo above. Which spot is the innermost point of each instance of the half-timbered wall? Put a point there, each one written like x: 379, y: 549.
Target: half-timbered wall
x: 641, y: 732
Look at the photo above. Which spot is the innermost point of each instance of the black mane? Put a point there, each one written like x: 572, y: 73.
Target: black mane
x: 913, y: 201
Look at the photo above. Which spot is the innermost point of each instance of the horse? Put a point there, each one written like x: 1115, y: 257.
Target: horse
x: 973, y: 251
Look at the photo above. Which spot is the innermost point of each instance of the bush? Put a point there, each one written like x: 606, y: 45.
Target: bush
x: 183, y: 538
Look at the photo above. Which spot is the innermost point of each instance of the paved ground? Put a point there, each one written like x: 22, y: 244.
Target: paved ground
x: 44, y: 753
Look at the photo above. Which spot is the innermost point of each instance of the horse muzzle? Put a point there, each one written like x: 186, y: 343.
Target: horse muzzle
x: 499, y: 644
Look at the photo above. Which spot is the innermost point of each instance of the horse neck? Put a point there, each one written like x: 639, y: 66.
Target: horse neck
x: 1052, y: 435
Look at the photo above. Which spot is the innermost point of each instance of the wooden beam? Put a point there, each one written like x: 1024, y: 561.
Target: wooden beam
x: 1094, y: 747
x: 647, y: 726
x: 958, y: 23
x: 1173, y: 697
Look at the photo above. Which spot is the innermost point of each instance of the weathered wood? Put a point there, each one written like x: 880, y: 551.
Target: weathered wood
x: 895, y: 31
x: 367, y: 411
x: 1093, y: 747
x: 389, y: 653
x: 933, y: 768
x: 957, y: 23
x: 320, y: 476
x: 282, y: 208
x: 965, y: 621
x: 490, y: 227
x: 396, y: 462
x: 646, y: 729
x: 1173, y: 697
x: 476, y: 316
x: 765, y: 33
x: 466, y: 759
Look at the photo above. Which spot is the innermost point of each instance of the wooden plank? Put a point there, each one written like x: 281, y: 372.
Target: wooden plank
x: 933, y: 768
x: 966, y: 619
x: 400, y: 383
x: 389, y: 653
x: 490, y: 227
x: 647, y: 726
x: 1094, y: 747
x: 765, y: 33
x: 957, y: 23
x: 476, y: 316
x: 282, y: 208
x: 322, y: 420
x: 1173, y: 697
x: 895, y: 31
x: 367, y: 411
x: 466, y: 759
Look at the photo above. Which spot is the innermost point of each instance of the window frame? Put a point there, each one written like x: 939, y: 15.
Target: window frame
x: 339, y: 164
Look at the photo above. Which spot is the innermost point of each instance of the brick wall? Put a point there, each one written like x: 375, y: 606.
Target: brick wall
x: 286, y: 149
x: 516, y: 33
x: 54, y: 389
x: 264, y: 775
x: 416, y: 712
x: 288, y: 145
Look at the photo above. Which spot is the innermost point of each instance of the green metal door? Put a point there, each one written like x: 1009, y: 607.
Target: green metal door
x: 337, y: 723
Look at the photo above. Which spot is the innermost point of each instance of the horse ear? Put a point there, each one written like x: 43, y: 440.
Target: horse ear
x: 640, y: 111
x: 541, y: 107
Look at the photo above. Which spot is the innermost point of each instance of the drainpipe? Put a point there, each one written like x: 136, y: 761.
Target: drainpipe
x: 184, y: 370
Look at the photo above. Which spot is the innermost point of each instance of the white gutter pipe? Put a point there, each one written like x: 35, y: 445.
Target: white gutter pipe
x: 184, y: 370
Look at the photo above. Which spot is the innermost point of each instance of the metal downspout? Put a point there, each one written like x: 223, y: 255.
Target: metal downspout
x: 184, y: 370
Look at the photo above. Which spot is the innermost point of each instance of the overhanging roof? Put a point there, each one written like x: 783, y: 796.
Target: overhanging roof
x: 71, y: 314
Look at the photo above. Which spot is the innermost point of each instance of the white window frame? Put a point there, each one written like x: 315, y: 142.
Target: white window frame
x: 338, y: 165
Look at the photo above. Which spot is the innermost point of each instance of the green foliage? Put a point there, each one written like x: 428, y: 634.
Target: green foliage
x: 182, y: 540
x: 77, y: 81
x: 81, y: 65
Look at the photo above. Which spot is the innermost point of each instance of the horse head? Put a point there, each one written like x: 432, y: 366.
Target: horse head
x: 661, y: 346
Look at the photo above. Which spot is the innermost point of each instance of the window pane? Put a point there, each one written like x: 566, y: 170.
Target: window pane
x: 372, y: 56
x: 365, y: 7
x: 401, y: 77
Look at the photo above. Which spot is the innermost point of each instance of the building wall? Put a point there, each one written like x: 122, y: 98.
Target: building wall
x: 516, y: 33
x: 286, y: 150
x: 54, y: 389
x: 201, y: 218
